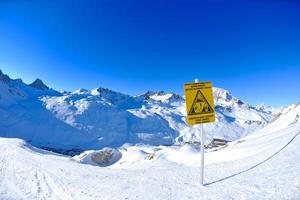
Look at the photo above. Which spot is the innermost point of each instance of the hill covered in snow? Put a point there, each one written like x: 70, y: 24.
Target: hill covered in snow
x: 92, y: 119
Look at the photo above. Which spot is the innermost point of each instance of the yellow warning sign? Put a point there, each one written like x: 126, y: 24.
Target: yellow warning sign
x: 199, y: 103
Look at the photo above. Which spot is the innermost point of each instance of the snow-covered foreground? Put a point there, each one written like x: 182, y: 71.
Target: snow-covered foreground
x: 264, y: 165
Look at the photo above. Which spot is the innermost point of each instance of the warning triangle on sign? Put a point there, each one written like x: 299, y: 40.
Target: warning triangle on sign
x: 200, y: 105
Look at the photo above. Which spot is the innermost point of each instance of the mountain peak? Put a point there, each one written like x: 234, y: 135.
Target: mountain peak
x: 162, y: 96
x: 224, y: 97
x: 264, y: 107
x: 158, y: 93
x: 38, y: 84
x: 222, y: 93
x: 4, y: 78
x: 105, y: 90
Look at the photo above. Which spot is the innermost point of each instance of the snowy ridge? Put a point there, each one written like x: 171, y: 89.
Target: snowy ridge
x: 92, y: 119
x: 288, y: 116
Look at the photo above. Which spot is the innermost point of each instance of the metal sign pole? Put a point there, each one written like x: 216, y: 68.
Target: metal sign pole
x: 202, y: 150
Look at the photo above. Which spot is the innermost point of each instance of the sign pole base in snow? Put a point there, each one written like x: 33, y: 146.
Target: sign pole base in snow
x: 202, y: 155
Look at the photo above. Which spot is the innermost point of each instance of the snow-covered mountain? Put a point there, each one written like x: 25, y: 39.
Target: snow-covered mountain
x: 90, y: 119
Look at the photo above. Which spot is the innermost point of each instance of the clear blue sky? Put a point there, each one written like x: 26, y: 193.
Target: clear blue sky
x: 250, y: 48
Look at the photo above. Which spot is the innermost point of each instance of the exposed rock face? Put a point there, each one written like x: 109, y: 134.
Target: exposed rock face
x: 102, y: 158
x: 38, y: 84
x: 162, y: 96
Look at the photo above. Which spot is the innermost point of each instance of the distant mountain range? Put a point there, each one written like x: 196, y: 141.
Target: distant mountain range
x: 91, y: 119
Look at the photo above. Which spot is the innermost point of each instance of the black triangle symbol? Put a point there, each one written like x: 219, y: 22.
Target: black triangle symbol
x: 200, y: 105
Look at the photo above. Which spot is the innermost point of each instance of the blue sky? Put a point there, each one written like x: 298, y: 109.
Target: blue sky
x: 250, y: 48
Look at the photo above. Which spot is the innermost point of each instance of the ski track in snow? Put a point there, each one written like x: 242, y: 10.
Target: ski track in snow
x: 256, y: 165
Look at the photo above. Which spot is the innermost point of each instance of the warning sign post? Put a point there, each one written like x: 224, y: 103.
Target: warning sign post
x: 200, y: 109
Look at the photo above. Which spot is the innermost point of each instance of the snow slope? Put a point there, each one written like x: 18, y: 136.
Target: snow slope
x: 91, y: 119
x: 263, y: 165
